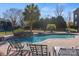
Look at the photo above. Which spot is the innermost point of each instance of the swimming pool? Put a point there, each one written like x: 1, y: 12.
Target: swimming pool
x: 40, y: 38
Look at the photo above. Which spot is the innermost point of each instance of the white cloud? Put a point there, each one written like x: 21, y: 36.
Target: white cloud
x: 63, y: 4
x: 45, y: 9
x: 47, y: 12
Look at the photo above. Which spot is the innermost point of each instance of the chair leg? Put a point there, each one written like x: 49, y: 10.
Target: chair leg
x: 49, y: 54
x: 14, y: 52
x: 25, y: 53
x: 8, y: 49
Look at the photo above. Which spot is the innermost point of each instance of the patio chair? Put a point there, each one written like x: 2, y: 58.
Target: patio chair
x: 67, y: 52
x: 77, y: 50
x: 38, y: 50
x: 16, y: 48
x: 54, y: 52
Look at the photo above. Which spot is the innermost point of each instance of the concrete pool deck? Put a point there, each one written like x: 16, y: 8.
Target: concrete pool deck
x: 69, y: 42
x: 62, y: 42
x: 50, y: 43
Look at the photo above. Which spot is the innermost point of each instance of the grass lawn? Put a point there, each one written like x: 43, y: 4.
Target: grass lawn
x: 7, y: 33
x: 10, y: 32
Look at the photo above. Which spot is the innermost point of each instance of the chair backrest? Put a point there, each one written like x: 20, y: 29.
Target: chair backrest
x: 14, y: 43
x: 39, y: 50
x: 67, y: 52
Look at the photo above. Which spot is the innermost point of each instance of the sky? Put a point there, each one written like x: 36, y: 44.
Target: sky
x: 46, y: 9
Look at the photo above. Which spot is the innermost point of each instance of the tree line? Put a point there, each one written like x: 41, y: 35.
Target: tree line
x: 30, y: 18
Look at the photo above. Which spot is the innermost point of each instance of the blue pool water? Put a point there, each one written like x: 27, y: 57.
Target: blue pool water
x: 39, y: 38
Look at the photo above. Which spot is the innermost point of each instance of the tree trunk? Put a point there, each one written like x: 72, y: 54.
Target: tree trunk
x: 13, y: 29
x: 51, y: 30
x: 5, y: 32
x: 31, y: 28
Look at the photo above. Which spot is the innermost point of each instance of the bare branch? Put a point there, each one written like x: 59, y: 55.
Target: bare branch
x: 59, y: 10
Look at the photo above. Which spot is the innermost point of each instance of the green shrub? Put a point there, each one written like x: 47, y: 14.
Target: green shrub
x: 51, y: 27
x: 72, y: 30
x: 19, y: 30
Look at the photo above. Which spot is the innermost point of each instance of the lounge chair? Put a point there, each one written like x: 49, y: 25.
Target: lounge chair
x: 39, y: 50
x: 16, y: 48
x: 77, y: 50
x: 67, y: 52
x: 54, y: 51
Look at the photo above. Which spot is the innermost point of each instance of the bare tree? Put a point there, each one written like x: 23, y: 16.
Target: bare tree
x: 69, y: 19
x: 13, y: 15
x: 21, y: 18
x: 69, y: 16
x: 59, y: 10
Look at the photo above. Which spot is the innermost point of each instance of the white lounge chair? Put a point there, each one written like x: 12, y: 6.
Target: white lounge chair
x: 16, y: 48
